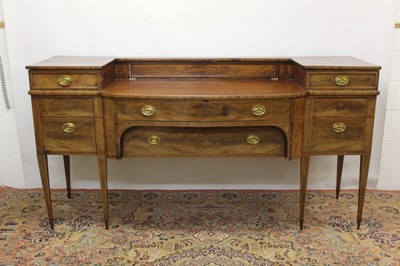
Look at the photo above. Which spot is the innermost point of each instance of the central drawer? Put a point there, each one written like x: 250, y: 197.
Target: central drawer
x: 235, y: 141
x: 203, y: 110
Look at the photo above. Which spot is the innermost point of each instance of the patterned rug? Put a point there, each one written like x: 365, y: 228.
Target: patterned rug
x: 199, y: 228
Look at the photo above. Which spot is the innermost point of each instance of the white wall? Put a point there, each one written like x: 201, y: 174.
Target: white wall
x: 390, y: 165
x: 189, y: 28
x: 10, y: 158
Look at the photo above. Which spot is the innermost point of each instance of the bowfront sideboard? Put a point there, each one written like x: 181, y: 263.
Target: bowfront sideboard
x: 124, y: 107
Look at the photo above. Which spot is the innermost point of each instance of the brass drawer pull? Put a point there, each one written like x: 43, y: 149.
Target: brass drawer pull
x: 154, y: 140
x: 258, y: 110
x: 68, y: 127
x: 339, y: 127
x: 64, y: 80
x: 253, y: 139
x: 342, y: 80
x: 148, y: 110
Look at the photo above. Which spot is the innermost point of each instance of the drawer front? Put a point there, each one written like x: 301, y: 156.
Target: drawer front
x: 64, y: 80
x: 66, y: 107
x: 355, y: 107
x: 195, y: 111
x: 338, y: 135
x: 343, y: 80
x: 69, y: 135
x: 237, y: 141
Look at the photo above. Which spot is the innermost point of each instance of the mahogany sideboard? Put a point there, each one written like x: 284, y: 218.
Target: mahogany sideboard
x: 125, y: 107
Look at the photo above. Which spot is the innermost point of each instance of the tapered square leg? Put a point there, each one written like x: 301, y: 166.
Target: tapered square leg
x: 339, y: 171
x: 102, y: 161
x: 67, y: 169
x: 364, y: 167
x: 304, y: 166
x: 44, y: 175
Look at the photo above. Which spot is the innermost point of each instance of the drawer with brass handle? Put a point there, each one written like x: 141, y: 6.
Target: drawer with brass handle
x: 338, y: 134
x: 236, y: 141
x: 64, y: 80
x: 203, y: 110
x: 342, y: 80
x: 68, y: 136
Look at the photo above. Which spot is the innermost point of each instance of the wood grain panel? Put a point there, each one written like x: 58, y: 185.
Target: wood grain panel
x: 107, y: 75
x: 77, y: 107
x: 203, y: 70
x: 348, y: 107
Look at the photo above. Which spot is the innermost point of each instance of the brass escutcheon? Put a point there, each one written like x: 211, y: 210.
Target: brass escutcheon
x: 64, y: 80
x: 148, y: 110
x: 339, y: 127
x: 253, y: 139
x: 342, y: 80
x: 154, y: 139
x: 258, y: 110
x: 68, y: 127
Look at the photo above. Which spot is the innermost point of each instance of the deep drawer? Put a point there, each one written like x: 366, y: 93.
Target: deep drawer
x: 338, y: 135
x: 203, y: 110
x: 237, y: 141
x: 69, y: 136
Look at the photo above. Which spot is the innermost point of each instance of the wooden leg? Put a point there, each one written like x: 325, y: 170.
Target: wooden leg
x: 102, y: 161
x: 304, y: 165
x: 364, y: 167
x: 44, y: 175
x: 339, y: 171
x: 67, y: 169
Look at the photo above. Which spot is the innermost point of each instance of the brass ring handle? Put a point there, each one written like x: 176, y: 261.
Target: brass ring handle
x: 148, y: 110
x: 253, y: 139
x: 64, y: 80
x: 154, y: 140
x: 342, y: 80
x: 258, y: 110
x: 68, y: 127
x: 339, y: 127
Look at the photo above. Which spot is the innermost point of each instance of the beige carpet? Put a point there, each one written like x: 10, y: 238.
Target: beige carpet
x: 199, y: 228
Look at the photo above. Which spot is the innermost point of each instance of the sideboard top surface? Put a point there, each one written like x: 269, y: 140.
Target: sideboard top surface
x: 73, y: 62
x: 203, y: 88
x: 333, y: 62
x: 98, y: 62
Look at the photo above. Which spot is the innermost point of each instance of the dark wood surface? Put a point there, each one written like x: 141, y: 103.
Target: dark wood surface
x: 126, y: 107
x: 202, y: 88
x: 73, y: 62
